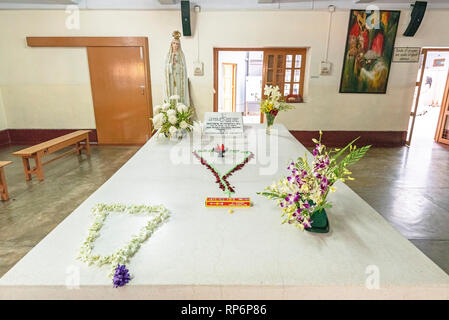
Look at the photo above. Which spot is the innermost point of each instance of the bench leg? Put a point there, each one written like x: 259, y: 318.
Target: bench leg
x: 3, y: 187
x: 78, y: 148
x: 87, y: 145
x: 26, y: 168
x: 39, y: 170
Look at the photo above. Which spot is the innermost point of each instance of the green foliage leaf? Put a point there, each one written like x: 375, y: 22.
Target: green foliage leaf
x: 355, y: 156
x: 344, y: 149
x: 302, y: 164
x: 272, y: 195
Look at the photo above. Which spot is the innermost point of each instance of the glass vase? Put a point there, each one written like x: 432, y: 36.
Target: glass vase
x: 270, y: 121
x: 181, y: 133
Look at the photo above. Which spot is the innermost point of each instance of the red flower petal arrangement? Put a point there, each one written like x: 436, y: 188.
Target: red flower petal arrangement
x: 223, y: 180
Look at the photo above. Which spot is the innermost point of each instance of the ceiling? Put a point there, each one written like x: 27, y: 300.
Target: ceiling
x: 217, y: 4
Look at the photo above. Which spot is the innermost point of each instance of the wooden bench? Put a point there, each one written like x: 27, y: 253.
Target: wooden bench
x: 3, y: 187
x: 48, y: 147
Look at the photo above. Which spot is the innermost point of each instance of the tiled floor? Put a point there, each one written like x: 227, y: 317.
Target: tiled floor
x: 35, y: 208
x: 408, y: 186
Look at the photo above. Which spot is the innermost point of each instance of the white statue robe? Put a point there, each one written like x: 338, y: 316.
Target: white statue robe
x: 176, y: 82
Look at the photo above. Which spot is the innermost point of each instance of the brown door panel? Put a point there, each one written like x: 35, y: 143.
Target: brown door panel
x: 119, y: 92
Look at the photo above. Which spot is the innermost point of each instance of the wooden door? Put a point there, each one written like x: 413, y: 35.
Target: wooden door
x: 273, y: 74
x: 442, y: 133
x: 229, y: 79
x: 119, y: 93
x: 284, y: 67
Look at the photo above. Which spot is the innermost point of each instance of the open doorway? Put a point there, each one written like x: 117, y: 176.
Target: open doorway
x: 429, y: 96
x: 239, y: 79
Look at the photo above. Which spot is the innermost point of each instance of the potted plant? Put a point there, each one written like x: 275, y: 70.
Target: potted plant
x: 303, y: 194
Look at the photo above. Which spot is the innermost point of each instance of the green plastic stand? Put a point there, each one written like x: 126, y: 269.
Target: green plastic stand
x: 320, y: 223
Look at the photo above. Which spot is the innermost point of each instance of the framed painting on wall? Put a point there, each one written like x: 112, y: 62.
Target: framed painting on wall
x: 369, y: 51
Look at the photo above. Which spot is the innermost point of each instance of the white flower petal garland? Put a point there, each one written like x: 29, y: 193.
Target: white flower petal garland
x: 159, y: 214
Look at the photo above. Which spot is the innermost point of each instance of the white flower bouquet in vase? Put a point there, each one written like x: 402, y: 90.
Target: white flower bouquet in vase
x: 272, y: 105
x: 172, y: 119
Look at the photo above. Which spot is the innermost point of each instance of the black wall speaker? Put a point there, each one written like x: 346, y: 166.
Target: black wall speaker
x: 185, y: 14
x: 419, y: 8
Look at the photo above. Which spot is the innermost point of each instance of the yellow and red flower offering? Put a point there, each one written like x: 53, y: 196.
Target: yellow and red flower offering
x: 228, y: 202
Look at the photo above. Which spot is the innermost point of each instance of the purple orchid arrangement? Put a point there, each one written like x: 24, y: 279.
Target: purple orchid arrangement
x: 303, y: 193
x: 121, y: 276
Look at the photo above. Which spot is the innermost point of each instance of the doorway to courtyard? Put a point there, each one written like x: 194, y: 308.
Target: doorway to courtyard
x: 428, y: 118
x: 239, y: 82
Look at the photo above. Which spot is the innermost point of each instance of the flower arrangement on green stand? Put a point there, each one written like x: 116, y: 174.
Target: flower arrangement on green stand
x: 303, y: 194
x: 272, y: 105
x: 172, y: 118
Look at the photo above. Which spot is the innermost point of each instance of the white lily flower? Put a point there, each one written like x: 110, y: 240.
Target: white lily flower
x: 182, y: 107
x: 172, y: 130
x: 183, y: 124
x: 157, y: 109
x: 267, y: 90
x: 172, y: 119
x: 171, y: 113
x: 159, y: 120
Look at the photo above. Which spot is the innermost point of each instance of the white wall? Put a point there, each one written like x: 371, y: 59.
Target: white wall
x: 50, y: 88
x: 3, y: 124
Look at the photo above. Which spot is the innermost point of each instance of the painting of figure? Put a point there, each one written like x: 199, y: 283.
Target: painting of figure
x: 369, y: 50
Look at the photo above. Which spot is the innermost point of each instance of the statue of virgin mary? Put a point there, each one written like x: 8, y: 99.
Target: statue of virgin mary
x: 176, y: 72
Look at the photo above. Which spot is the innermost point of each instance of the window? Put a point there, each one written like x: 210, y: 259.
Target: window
x: 284, y: 67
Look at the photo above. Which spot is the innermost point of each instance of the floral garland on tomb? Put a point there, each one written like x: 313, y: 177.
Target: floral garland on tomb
x: 222, y: 180
x: 119, y: 274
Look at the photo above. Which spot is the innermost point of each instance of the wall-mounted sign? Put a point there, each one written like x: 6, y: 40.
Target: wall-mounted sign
x: 226, y: 123
x: 406, y: 54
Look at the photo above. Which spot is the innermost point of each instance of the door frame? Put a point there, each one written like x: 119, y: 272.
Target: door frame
x: 443, y: 113
x: 424, y: 52
x: 105, y: 42
x: 234, y: 76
